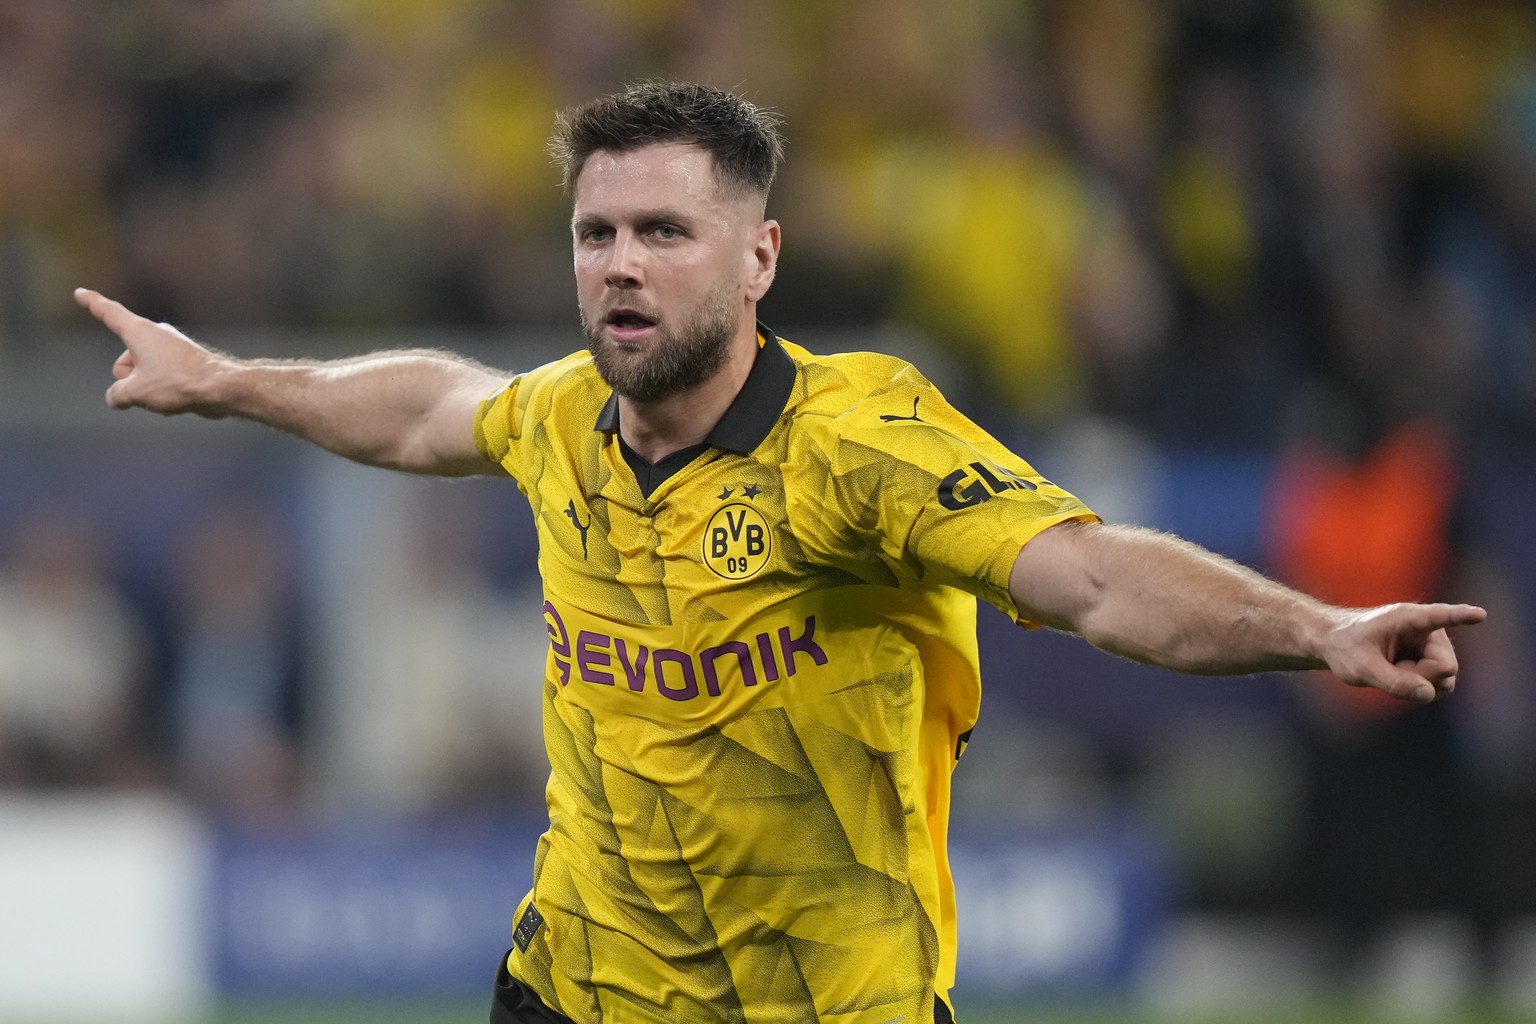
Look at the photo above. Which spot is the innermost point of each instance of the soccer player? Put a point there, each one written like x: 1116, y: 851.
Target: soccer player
x: 761, y: 569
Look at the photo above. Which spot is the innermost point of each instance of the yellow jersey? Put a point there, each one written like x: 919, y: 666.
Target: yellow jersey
x: 762, y: 669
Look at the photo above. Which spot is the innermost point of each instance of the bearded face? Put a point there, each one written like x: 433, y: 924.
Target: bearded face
x: 674, y: 356
x: 668, y: 267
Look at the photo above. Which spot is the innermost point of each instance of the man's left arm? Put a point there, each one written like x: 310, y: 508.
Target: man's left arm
x: 1158, y: 599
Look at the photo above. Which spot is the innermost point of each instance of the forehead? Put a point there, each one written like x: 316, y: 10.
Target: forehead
x: 663, y: 174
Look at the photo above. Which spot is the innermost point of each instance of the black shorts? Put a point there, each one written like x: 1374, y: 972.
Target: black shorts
x: 516, y: 1003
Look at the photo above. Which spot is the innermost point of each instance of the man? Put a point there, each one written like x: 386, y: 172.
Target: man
x: 760, y: 568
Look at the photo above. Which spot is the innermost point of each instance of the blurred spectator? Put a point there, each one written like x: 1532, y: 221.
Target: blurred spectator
x: 469, y: 718
x: 1109, y: 60
x: 235, y: 686
x: 73, y: 661
x: 65, y: 126
x: 994, y: 217
x: 1361, y: 511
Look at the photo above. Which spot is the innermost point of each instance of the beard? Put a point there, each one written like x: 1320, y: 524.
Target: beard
x: 671, y: 361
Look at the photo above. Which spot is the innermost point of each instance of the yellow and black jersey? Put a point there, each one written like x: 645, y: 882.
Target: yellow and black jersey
x: 762, y: 669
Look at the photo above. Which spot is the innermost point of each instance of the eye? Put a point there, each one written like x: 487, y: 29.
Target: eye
x: 668, y: 232
x: 595, y: 235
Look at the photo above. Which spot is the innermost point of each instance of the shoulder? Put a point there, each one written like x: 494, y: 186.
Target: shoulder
x: 571, y: 372
x: 857, y: 403
x: 845, y: 389
x: 566, y: 394
x: 572, y: 380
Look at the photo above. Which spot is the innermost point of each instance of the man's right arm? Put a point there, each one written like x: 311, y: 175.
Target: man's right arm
x: 407, y: 410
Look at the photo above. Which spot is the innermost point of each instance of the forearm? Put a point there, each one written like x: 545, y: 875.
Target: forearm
x: 1155, y: 598
x: 411, y: 410
x: 406, y: 410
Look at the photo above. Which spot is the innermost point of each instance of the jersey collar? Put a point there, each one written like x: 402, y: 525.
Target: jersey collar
x: 756, y: 407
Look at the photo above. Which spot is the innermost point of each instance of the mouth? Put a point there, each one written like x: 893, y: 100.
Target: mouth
x: 628, y: 324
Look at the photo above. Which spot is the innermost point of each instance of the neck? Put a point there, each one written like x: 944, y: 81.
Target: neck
x: 654, y: 430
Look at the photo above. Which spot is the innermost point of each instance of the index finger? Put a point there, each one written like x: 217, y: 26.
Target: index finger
x: 114, y: 314
x: 1438, y: 616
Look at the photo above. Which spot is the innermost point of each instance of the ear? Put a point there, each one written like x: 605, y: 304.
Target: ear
x: 763, y: 259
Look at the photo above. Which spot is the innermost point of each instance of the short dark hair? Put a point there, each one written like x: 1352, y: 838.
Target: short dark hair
x: 743, y: 138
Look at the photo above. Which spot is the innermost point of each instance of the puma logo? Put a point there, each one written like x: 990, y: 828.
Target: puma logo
x: 570, y: 512
x: 892, y: 418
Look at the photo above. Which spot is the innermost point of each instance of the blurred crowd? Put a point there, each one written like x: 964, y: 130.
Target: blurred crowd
x: 1178, y: 212
x: 1303, y: 231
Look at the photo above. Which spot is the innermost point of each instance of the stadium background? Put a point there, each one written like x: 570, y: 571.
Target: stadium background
x: 1257, y: 272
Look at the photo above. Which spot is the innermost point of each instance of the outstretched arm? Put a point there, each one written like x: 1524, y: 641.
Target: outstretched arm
x: 1158, y: 599
x: 408, y: 410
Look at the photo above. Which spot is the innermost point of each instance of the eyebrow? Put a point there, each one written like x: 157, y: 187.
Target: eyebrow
x: 660, y: 215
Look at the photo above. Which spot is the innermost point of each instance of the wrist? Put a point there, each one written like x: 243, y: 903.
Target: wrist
x: 221, y: 388
x: 1316, y: 627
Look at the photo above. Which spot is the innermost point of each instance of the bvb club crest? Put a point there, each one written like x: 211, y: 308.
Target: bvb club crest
x: 737, y: 541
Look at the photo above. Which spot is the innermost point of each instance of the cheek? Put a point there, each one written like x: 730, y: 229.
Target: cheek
x: 590, y: 276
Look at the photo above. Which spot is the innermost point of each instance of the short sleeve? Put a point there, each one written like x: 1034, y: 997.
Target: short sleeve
x: 942, y: 500
x: 497, y: 423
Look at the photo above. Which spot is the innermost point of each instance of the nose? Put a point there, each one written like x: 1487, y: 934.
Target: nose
x: 625, y: 262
